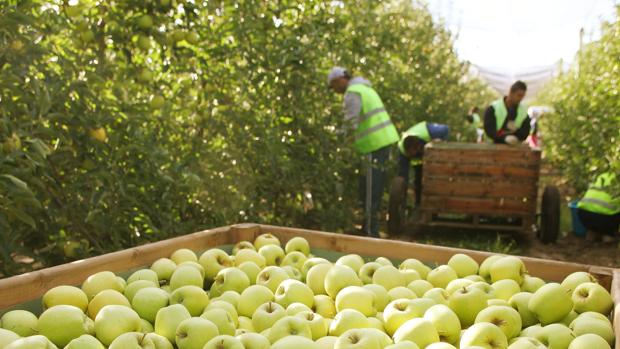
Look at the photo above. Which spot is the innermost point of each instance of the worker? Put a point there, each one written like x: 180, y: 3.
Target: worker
x: 598, y: 210
x: 506, y: 120
x: 411, y: 150
x: 370, y: 124
x: 474, y: 119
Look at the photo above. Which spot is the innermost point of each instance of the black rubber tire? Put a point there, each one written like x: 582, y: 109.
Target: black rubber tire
x: 550, y: 215
x: 396, y: 211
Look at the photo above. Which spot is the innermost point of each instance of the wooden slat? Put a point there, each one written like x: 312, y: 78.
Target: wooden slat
x: 525, y: 158
x: 511, y: 228
x: 485, y: 206
x: 615, y: 293
x: 443, y: 186
x: 505, y: 171
x: 28, y: 286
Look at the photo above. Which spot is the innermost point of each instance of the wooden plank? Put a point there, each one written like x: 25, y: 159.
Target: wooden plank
x: 488, y: 206
x: 494, y: 171
x: 473, y: 225
x: 615, y: 294
x: 28, y: 286
x: 443, y: 186
x: 465, y: 156
x: 550, y: 270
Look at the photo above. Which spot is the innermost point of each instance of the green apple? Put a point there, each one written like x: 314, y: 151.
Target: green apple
x: 248, y: 255
x: 146, y: 326
x: 134, y: 287
x: 590, y: 296
x: 389, y: 277
x: 418, y: 330
x: 106, y: 297
x: 487, y: 289
x: 410, y: 275
x: 382, y: 297
x: 295, y: 308
x: 353, y: 261
x: 520, y: 303
x: 289, y: 326
x: 416, y: 265
x: 168, y: 319
x: 224, y: 342
x: 7, y: 337
x: 185, y: 275
x: 554, y: 336
x: 399, y: 292
x: 438, y: 345
x: 230, y: 297
x: 293, y: 272
x: 196, y: 265
x: 358, y: 339
x: 297, y: 244
x: 114, y: 320
x: 67, y: 295
x: 297, y: 342
x: 346, y: 320
x: 147, y: 302
x: 22, y: 322
x: 550, y: 303
x: 526, y: 343
x: 144, y: 274
x: 229, y: 279
x: 315, y: 277
x: 439, y: 295
x: 213, y: 261
x: 229, y: 308
x: 251, y: 270
x: 401, y: 310
x: 358, y: 298
x: 327, y: 342
x: 252, y: 297
x: 497, y: 301
x: 291, y: 291
x: 272, y: 254
x: 594, y: 315
x: 588, y: 324
x: 376, y: 322
x: 63, y: 323
x: 324, y: 306
x: 254, y: 341
x: 531, y: 283
x: 475, y: 278
x: 245, y: 323
x: 271, y: 277
x: 589, y: 341
x: 575, y: 279
x: 318, y: 325
x: 531, y: 331
x: 457, y: 284
x: 569, y: 318
x: 266, y: 315
x: 164, y: 267
x: 132, y: 340
x: 412, y: 345
x: 339, y: 277
x: 504, y: 317
x: 31, y: 342
x: 294, y: 259
x: 445, y: 321
x: 242, y: 245
x: 485, y: 335
x: 508, y: 267
x: 467, y: 303
x: 100, y: 281
x: 160, y: 342
x: 420, y: 287
x: 266, y: 239
x: 84, y: 341
x: 463, y: 265
x: 506, y: 288
x: 194, y: 298
x: 485, y: 267
x: 441, y: 276
x: 194, y: 333
x: 222, y: 319
x: 367, y: 270
x: 311, y: 262
x: 183, y: 255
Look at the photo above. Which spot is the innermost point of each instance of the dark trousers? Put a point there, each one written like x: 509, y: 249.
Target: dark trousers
x: 404, y: 166
x: 372, y: 185
x: 599, y: 223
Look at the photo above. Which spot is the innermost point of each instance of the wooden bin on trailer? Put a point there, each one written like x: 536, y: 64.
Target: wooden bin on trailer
x: 29, y: 287
x: 491, y: 186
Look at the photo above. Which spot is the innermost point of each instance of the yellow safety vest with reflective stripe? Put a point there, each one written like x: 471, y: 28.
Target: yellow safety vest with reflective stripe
x: 501, y: 113
x: 418, y: 130
x: 597, y: 199
x: 375, y: 129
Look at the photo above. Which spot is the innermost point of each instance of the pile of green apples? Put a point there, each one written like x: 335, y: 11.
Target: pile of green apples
x: 265, y: 296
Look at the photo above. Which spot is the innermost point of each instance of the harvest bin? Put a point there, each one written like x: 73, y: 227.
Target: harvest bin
x: 21, y: 290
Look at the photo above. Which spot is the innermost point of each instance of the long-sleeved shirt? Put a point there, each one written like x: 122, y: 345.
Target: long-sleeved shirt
x: 353, y: 103
x: 500, y: 136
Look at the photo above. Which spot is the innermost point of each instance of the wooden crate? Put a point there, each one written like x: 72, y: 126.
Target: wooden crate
x: 480, y: 184
x: 19, y: 289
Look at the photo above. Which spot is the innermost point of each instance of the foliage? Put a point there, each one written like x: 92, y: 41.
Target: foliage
x: 128, y: 121
x: 582, y: 135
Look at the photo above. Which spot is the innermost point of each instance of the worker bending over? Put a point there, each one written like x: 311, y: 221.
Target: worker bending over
x: 506, y: 120
x: 598, y: 210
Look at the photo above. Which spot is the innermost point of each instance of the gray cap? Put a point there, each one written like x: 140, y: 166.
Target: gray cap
x: 335, y: 73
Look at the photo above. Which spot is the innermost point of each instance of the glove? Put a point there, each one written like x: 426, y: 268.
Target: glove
x: 512, y: 140
x: 511, y: 126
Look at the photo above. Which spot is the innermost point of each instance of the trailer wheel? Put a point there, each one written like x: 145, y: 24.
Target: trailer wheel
x: 396, y: 209
x: 550, y: 215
